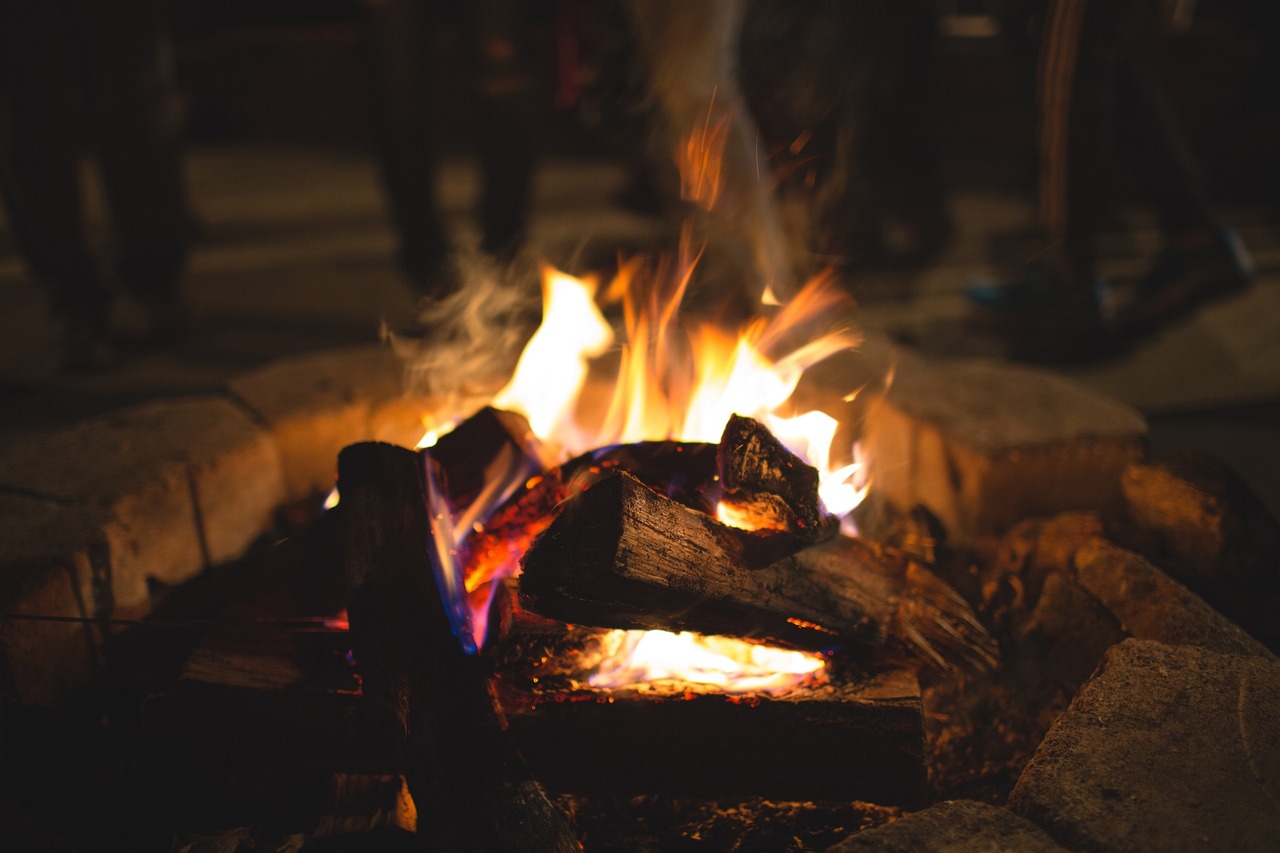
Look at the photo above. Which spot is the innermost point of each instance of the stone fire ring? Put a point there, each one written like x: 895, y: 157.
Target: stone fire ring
x: 1173, y: 744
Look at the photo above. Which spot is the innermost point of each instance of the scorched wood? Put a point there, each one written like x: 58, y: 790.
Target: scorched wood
x: 469, y: 453
x: 472, y: 789
x: 853, y: 736
x: 621, y: 555
x: 768, y: 482
x: 861, y: 740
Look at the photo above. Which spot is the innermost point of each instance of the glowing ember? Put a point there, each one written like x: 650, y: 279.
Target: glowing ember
x: 688, y: 660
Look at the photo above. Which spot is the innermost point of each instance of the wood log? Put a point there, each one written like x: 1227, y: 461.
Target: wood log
x: 684, y: 471
x: 860, y: 741
x: 468, y: 453
x: 858, y: 736
x: 769, y: 483
x: 621, y: 555
x: 471, y: 787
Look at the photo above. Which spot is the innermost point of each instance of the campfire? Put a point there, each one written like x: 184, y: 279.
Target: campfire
x: 629, y: 598
x: 622, y: 601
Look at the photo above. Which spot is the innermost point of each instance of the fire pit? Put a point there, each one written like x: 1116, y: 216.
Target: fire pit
x: 262, y: 725
x: 668, y: 623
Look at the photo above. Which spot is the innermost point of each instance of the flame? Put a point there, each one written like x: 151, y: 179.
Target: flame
x: 699, y: 158
x: 553, y: 366
x: 690, y: 661
x: 674, y: 381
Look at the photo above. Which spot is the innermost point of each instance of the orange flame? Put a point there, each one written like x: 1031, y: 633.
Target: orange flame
x: 683, y: 383
x: 699, y: 158
x: 678, y: 383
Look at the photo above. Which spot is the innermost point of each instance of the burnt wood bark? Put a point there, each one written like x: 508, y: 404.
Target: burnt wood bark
x: 858, y: 736
x: 861, y: 740
x: 621, y: 555
x: 467, y: 453
x: 472, y: 788
x: 768, y: 481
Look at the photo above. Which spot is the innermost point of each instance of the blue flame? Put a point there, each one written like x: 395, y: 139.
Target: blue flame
x: 443, y: 552
x: 448, y: 534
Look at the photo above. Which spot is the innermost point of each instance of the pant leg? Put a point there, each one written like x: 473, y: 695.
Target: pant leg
x: 41, y: 135
x: 397, y: 40
x: 137, y: 139
x: 1075, y: 97
x: 506, y: 119
x: 1152, y: 145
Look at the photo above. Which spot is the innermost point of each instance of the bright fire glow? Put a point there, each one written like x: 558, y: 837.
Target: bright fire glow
x: 553, y: 366
x: 728, y: 665
x: 681, y: 383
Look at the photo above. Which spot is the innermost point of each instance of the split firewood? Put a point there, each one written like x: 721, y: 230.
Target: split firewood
x: 621, y: 555
x: 472, y: 789
x: 684, y: 471
x: 851, y: 735
x: 478, y: 451
x: 845, y: 742
x: 769, y: 484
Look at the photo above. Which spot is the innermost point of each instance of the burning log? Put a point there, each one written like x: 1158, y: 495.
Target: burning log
x: 472, y: 788
x: 855, y: 741
x: 469, y: 453
x: 846, y: 735
x: 765, y: 481
x: 621, y: 555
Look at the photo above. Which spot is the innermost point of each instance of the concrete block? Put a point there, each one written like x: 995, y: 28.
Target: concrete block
x: 1166, y: 748
x: 46, y: 569
x: 185, y: 482
x: 128, y: 465
x: 1208, y: 527
x: 237, y: 481
x: 1150, y: 605
x: 956, y: 826
x: 984, y: 445
x: 316, y: 404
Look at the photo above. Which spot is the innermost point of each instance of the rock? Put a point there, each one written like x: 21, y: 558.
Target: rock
x: 1208, y: 526
x: 1070, y: 632
x: 957, y: 826
x: 1030, y: 552
x: 1166, y: 748
x: 984, y: 445
x: 1150, y: 605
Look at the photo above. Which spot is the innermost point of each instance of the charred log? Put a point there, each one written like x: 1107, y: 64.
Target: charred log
x: 858, y: 741
x: 621, y: 555
x: 850, y: 734
x: 684, y: 471
x: 468, y: 453
x: 768, y: 482
x: 471, y: 786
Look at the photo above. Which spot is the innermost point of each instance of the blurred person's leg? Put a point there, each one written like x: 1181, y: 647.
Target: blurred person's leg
x: 399, y: 33
x: 507, y: 124
x: 1201, y: 259
x: 1055, y: 311
x: 895, y: 142
x: 137, y: 134
x: 1076, y: 134
x: 41, y: 131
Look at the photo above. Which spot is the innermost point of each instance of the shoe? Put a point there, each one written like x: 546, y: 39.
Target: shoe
x: 1043, y: 321
x: 1183, y: 280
